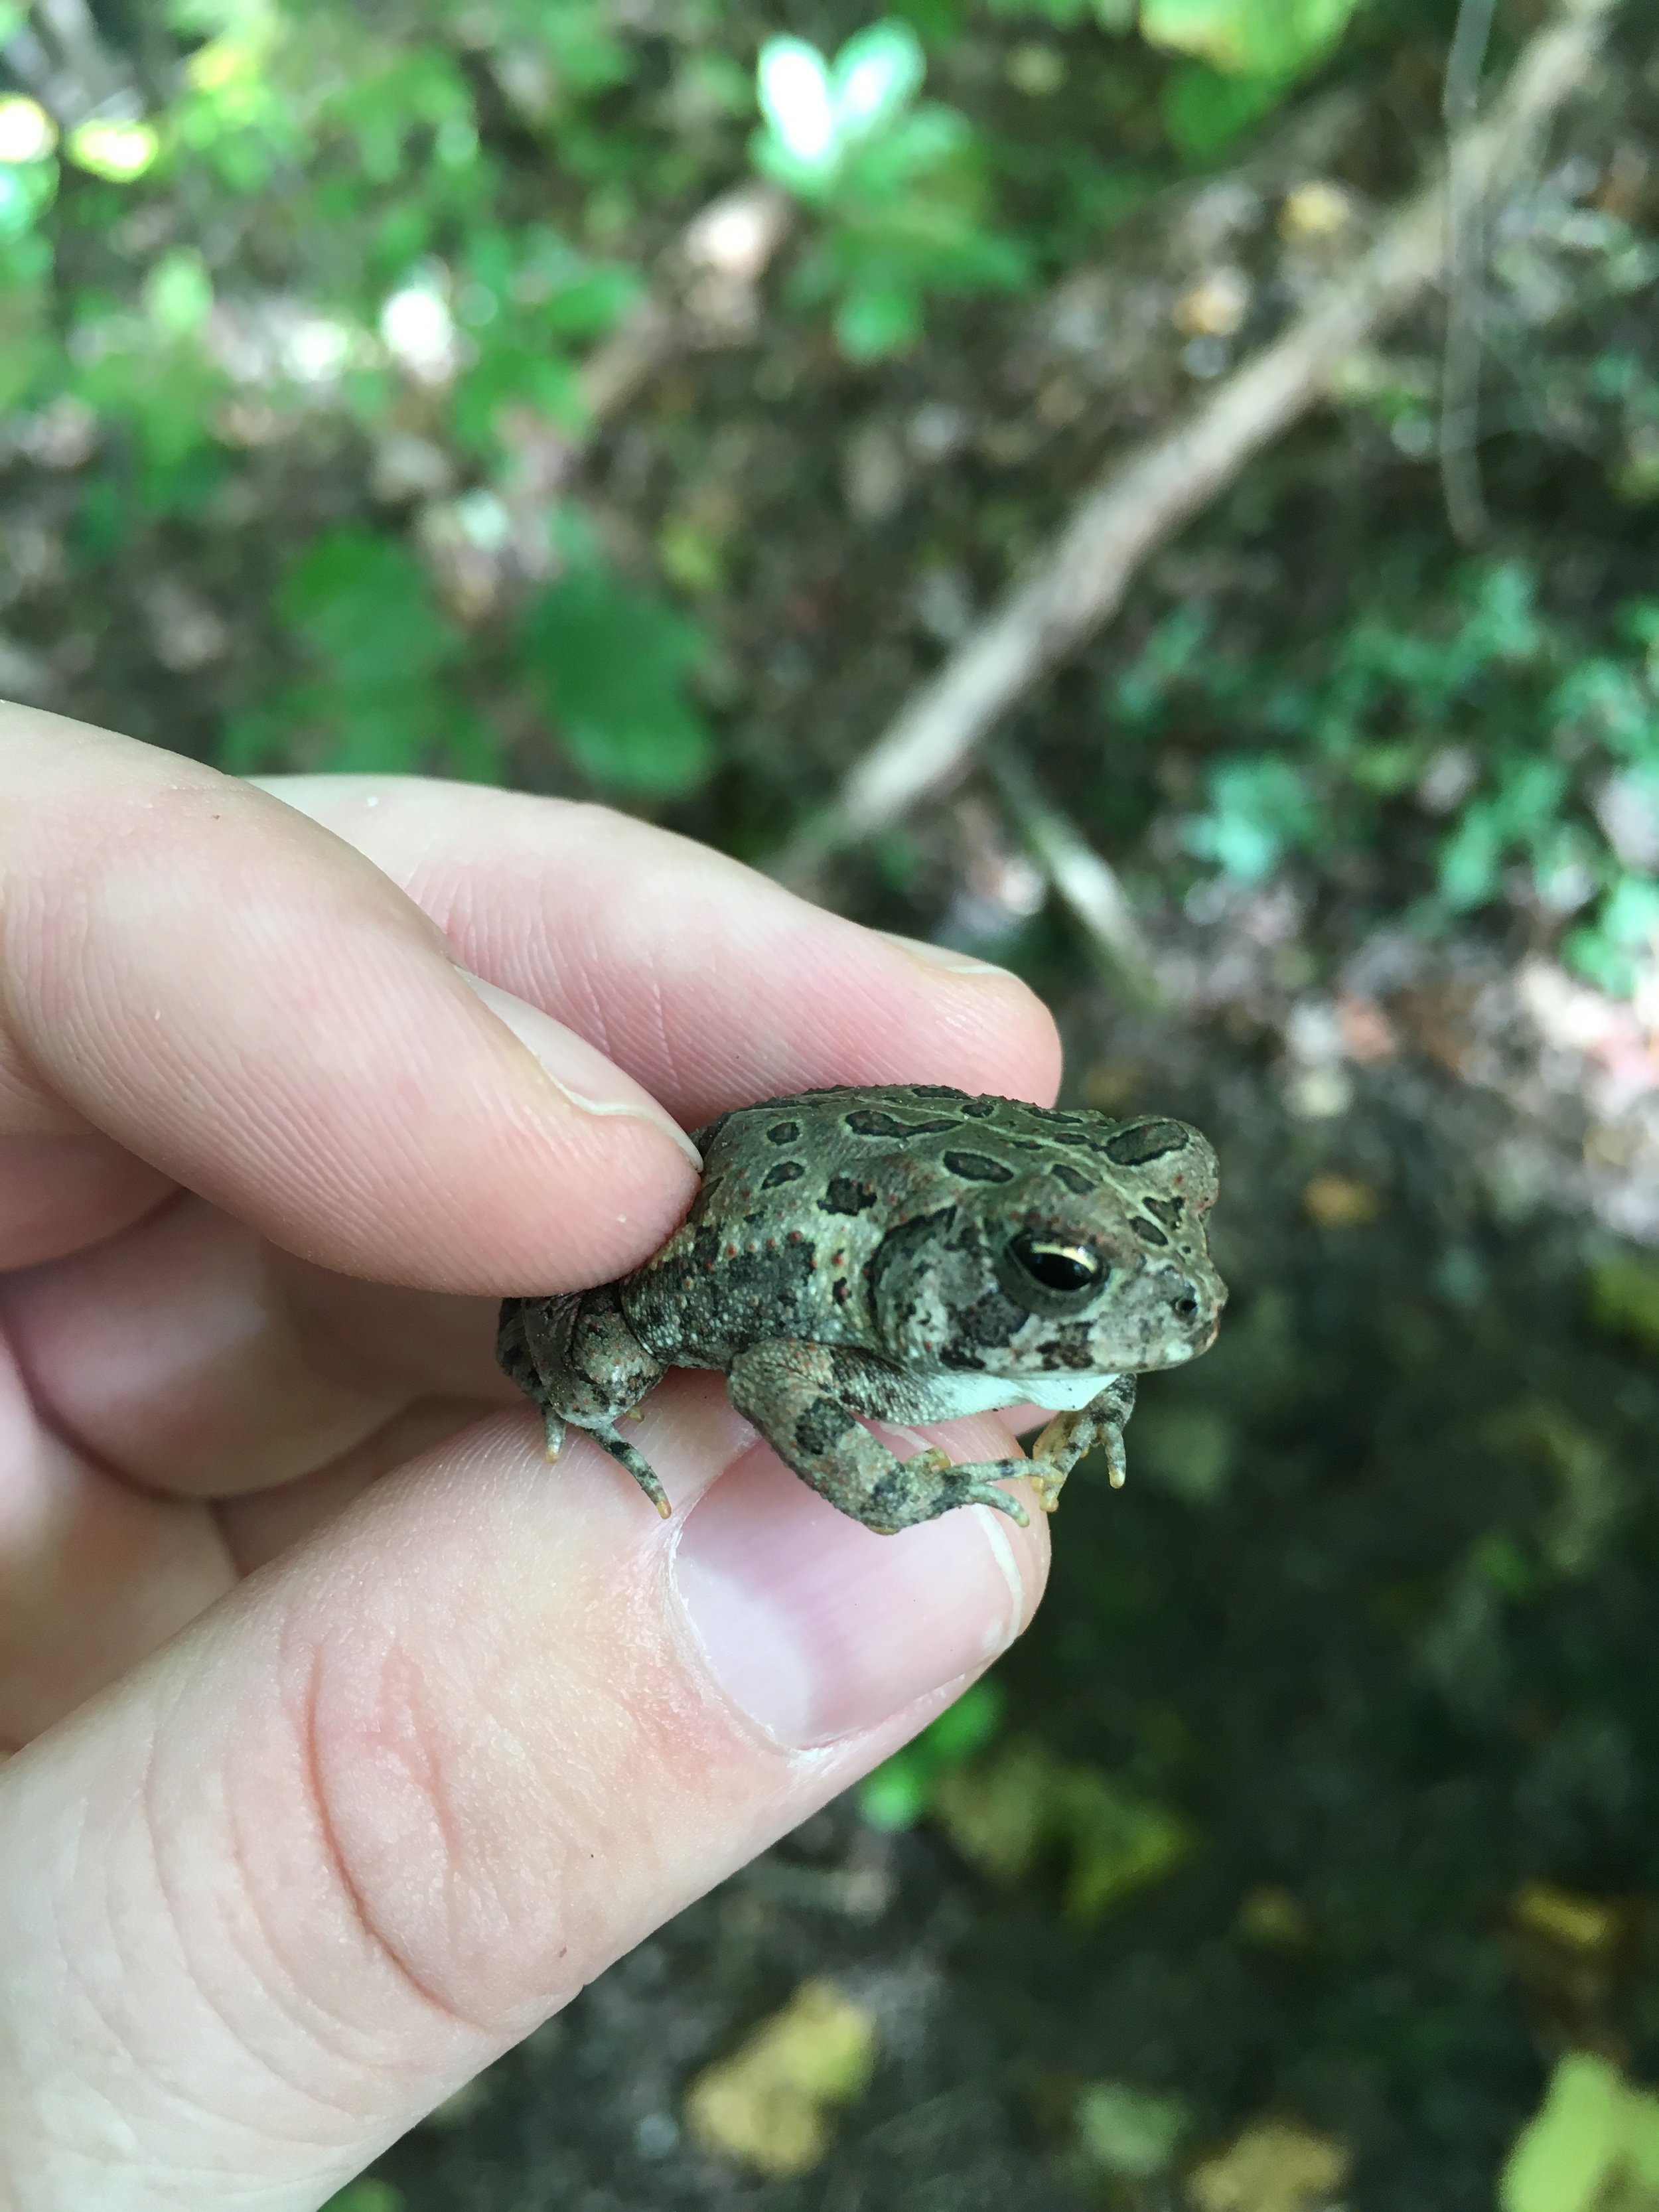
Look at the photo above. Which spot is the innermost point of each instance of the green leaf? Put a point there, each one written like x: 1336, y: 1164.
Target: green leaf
x: 361, y: 605
x: 609, y: 664
x: 1260, y: 809
x: 792, y: 84
x: 1120, y: 1842
x: 870, y: 325
x: 1129, y: 2132
x: 119, y: 152
x: 1614, y: 950
x: 1275, y: 38
x: 368, y: 2195
x: 179, y: 293
x: 900, y: 1789
x: 1624, y: 1294
x: 876, y: 76
x: 27, y: 133
x: 1574, y: 2145
x: 376, y: 696
x: 1204, y: 111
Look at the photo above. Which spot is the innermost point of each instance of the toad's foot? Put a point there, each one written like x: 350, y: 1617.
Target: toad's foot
x: 931, y: 1475
x: 605, y: 1433
x: 1097, y: 1426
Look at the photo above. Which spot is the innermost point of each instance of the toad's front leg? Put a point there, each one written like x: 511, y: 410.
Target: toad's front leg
x: 796, y: 1398
x: 579, y: 1360
x: 1069, y: 1436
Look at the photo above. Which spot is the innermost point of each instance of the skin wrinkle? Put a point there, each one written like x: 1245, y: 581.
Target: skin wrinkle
x: 336, y: 1866
x: 279, y: 1983
x: 178, y: 1923
x: 79, y: 1963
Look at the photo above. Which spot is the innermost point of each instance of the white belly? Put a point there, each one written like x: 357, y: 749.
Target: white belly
x: 978, y: 1393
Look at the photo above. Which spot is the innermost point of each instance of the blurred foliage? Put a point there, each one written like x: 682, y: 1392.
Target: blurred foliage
x: 1275, y: 2165
x: 767, y: 2105
x: 1512, y: 723
x: 426, y: 226
x: 1009, y: 1814
x: 904, y: 1788
x: 368, y: 2195
x: 902, y: 187
x: 1594, y: 2146
x: 1128, y: 2133
x: 328, y: 217
x: 1624, y: 1292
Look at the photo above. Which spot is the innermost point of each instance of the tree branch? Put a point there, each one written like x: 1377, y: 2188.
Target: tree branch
x: 1142, y: 501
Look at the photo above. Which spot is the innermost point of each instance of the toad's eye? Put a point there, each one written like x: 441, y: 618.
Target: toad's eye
x: 1057, y: 1266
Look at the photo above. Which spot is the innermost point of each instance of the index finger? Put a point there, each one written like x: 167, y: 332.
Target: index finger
x: 232, y: 991
x: 711, y: 984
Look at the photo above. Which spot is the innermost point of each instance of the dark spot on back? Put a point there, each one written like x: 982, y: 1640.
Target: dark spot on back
x: 783, y: 1132
x: 1148, y: 1232
x: 846, y: 1194
x: 982, y: 1109
x: 785, y: 1171
x: 1168, y: 1210
x: 871, y: 1121
x: 1073, y: 1178
x: 936, y: 1091
x: 868, y: 1122
x: 978, y: 1167
x: 1145, y: 1140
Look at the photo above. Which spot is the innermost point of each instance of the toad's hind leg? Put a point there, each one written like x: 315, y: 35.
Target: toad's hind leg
x: 577, y: 1357
x: 800, y: 1397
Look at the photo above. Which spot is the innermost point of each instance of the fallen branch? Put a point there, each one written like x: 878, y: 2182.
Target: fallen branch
x: 1088, y: 887
x: 1144, y: 500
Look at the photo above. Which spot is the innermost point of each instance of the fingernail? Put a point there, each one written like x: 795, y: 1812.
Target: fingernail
x: 815, y: 1627
x: 584, y: 1076
x: 941, y: 956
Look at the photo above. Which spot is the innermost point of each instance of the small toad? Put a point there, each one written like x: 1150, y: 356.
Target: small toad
x: 910, y: 1253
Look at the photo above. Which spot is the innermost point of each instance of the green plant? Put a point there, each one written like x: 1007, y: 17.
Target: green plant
x: 1249, y: 54
x: 902, y: 1788
x: 1508, y: 721
x: 368, y: 2195
x: 378, y: 691
x: 899, y: 191
x: 608, y: 664
x: 1594, y: 2142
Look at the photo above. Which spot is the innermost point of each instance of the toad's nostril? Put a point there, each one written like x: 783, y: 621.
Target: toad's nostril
x: 1186, y: 1309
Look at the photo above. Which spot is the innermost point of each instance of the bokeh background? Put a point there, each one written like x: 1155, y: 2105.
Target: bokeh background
x: 639, y: 400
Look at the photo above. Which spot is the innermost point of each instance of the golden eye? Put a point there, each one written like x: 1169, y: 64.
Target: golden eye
x: 1056, y: 1266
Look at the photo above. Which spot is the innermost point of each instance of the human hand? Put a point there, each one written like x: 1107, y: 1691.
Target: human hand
x: 358, y: 1737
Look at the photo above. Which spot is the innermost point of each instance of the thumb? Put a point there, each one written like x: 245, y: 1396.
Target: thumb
x: 377, y: 1814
